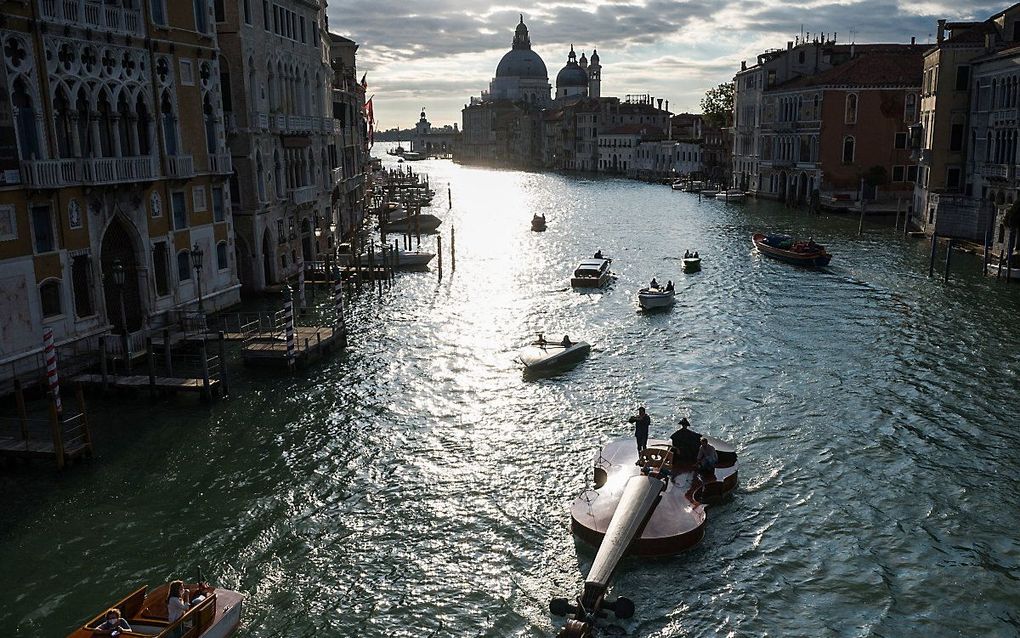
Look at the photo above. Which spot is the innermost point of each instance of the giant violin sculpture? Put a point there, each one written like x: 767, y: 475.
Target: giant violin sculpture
x: 654, y: 506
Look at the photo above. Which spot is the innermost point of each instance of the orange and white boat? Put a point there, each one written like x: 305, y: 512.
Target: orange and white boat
x: 214, y: 613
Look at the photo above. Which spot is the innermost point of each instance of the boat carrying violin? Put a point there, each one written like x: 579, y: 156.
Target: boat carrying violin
x: 647, y: 505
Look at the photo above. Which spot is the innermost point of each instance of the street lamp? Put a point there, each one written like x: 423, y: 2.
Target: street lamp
x: 119, y: 276
x: 196, y: 263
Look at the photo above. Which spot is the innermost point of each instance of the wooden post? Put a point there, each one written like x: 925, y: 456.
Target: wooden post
x: 860, y: 224
x: 449, y: 196
x: 103, y: 372
x: 223, y: 363
x: 168, y: 355
x: 1010, y: 245
x: 949, y: 254
x: 453, y: 249
x: 58, y: 438
x: 205, y: 371
x: 896, y: 223
x: 127, y: 351
x: 439, y: 254
x: 84, y: 418
x: 417, y: 224
x: 985, y: 256
x: 396, y: 260
x: 931, y: 258
x: 19, y: 398
x: 151, y: 360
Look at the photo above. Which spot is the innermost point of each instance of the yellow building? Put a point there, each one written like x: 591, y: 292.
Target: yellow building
x: 113, y: 170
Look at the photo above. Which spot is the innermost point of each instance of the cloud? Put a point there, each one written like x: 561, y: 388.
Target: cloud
x: 441, y: 52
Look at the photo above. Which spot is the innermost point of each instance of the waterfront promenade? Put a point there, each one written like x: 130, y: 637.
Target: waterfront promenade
x: 420, y: 482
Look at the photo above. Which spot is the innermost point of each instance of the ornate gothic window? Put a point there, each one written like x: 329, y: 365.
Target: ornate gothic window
x: 25, y: 122
x: 851, y: 109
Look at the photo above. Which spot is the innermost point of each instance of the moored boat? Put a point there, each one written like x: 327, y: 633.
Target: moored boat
x: 994, y: 269
x: 214, y: 613
x: 542, y: 355
x: 786, y: 248
x: 538, y: 223
x: 651, y: 506
x: 406, y: 259
x: 710, y: 193
x: 731, y: 195
x: 651, y: 298
x: 591, y: 273
x: 411, y: 223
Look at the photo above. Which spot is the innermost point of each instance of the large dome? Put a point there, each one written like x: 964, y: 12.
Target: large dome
x: 571, y: 76
x: 521, y: 63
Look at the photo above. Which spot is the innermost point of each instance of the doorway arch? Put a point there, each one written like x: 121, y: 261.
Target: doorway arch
x: 267, y: 258
x: 118, y: 245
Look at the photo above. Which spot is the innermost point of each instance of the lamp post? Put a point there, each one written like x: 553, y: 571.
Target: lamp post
x: 196, y: 263
x: 119, y: 277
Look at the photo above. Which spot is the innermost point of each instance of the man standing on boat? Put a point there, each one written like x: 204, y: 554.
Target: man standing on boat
x: 641, y: 423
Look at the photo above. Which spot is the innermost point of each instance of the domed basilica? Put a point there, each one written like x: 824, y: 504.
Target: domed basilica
x: 521, y: 75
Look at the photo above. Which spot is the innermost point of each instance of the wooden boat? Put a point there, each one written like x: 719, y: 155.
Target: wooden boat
x: 732, y: 195
x: 710, y: 193
x: 406, y: 259
x: 215, y: 613
x: 993, y: 269
x: 692, y: 264
x: 647, y: 504
x: 542, y: 355
x: 538, y: 223
x: 652, y: 298
x: 407, y: 224
x: 786, y: 248
x: 415, y: 157
x: 591, y: 273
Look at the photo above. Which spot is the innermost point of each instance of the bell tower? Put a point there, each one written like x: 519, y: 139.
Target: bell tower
x: 594, y: 75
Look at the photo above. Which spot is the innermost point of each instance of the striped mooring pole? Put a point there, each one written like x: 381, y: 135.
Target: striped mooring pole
x: 338, y: 301
x: 301, y: 287
x: 288, y: 320
x: 50, y: 352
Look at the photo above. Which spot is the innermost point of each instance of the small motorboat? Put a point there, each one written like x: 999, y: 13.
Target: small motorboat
x: 994, y: 269
x: 411, y: 223
x: 792, y: 251
x: 406, y: 259
x: 692, y: 264
x: 538, y: 223
x: 415, y: 157
x: 678, y: 185
x: 710, y: 193
x: 591, y: 273
x: 542, y: 355
x: 732, y: 195
x: 652, y: 298
x: 215, y: 613
x: 647, y: 504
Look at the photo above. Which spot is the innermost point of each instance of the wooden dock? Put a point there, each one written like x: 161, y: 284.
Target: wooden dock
x: 157, y: 384
x: 60, y: 437
x: 310, y: 342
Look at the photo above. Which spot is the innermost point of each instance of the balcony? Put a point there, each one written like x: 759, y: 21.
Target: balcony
x: 304, y: 195
x: 994, y: 171
x: 280, y: 122
x: 220, y: 164
x: 93, y: 14
x: 179, y: 166
x: 262, y: 121
x: 54, y: 173
x: 337, y: 175
x: 299, y: 123
x: 114, y: 170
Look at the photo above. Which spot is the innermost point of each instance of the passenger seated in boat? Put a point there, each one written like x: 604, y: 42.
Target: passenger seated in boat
x: 685, y: 442
x: 566, y: 343
x: 687, y: 254
x: 654, y: 285
x: 708, y: 458
x: 669, y: 286
x: 598, y: 254
x: 541, y: 340
x: 114, y: 623
x: 696, y: 255
x: 177, y: 603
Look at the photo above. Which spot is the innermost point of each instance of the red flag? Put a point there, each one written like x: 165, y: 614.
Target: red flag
x: 364, y: 84
x: 370, y: 120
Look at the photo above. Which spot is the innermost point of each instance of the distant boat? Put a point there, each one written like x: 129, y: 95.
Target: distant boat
x: 414, y: 157
x: 591, y: 273
x: 732, y: 195
x: 407, y: 223
x: 406, y: 259
x: 214, y: 613
x: 692, y: 264
x: 710, y: 193
x: 541, y: 355
x: 994, y: 269
x: 652, y: 298
x: 792, y: 251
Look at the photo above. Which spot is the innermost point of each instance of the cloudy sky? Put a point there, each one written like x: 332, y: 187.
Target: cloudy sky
x: 438, y: 53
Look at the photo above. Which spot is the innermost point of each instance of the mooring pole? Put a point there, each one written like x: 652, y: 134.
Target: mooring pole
x: 949, y: 254
x: 439, y: 254
x: 453, y: 249
x: 931, y: 258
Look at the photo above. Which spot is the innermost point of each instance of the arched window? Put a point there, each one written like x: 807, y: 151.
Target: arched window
x: 83, y: 114
x: 169, y: 124
x: 988, y: 149
x: 143, y: 124
x: 64, y: 124
x: 128, y: 147
x: 221, y: 256
x: 225, y: 91
x: 279, y: 181
x: 201, y: 19
x: 851, y: 109
x: 848, y: 149
x: 24, y: 116
x: 210, y: 125
x: 260, y: 177
x: 106, y: 144
x: 49, y: 298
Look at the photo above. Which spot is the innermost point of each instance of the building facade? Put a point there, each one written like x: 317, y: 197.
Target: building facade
x: 429, y: 140
x: 114, y: 208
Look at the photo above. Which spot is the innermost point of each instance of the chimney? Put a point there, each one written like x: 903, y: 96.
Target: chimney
x: 913, y: 40
x: 789, y: 44
x: 743, y: 65
x: 660, y: 103
x: 941, y: 32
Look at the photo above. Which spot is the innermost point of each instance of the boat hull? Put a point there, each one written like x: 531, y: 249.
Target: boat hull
x: 589, y: 282
x: 653, y: 300
x: 809, y: 260
x: 426, y: 224
x: 692, y: 264
x: 553, y: 356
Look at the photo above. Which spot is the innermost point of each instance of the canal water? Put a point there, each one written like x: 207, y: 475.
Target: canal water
x: 419, y: 485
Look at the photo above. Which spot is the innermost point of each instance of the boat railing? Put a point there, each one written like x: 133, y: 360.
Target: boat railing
x: 194, y: 621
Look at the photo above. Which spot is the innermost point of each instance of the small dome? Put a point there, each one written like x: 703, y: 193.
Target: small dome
x: 521, y: 63
x: 572, y: 75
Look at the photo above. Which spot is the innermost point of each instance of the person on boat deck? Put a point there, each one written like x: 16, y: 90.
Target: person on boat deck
x: 685, y: 441
x: 641, y: 424
x: 566, y: 343
x: 708, y: 458
x: 669, y: 286
x: 598, y: 254
x: 177, y: 602
x: 696, y: 255
x: 654, y: 283
x: 114, y: 622
x: 541, y: 339
x: 687, y: 254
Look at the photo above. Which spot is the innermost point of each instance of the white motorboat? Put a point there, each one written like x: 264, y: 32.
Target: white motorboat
x: 710, y: 193
x: 408, y: 224
x: 591, y: 273
x: 732, y: 195
x: 651, y: 298
x: 543, y: 355
x: 405, y: 258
